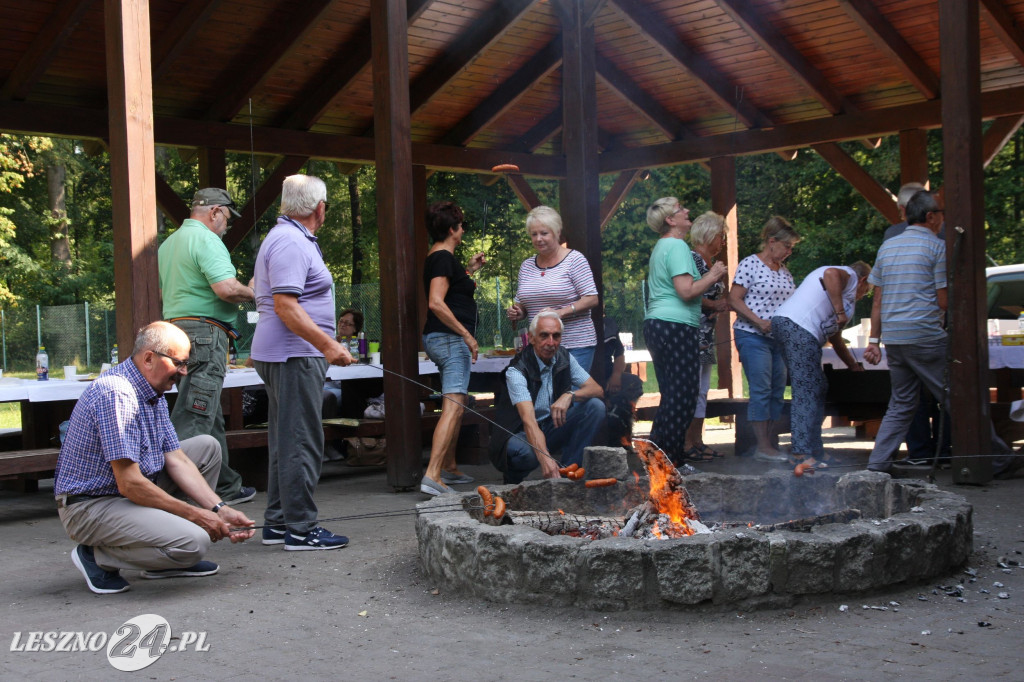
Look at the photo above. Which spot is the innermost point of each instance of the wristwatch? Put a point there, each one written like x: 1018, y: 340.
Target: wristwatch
x: 216, y: 508
x: 873, y: 339
x: 572, y: 397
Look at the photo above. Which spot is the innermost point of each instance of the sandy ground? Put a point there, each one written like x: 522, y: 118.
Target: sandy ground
x: 365, y: 612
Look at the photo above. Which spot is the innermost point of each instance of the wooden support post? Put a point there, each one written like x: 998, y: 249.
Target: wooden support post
x: 723, y: 201
x: 580, y: 197
x: 132, y: 167
x: 397, y: 249
x: 914, y: 156
x: 213, y: 169
x: 420, y: 203
x: 965, y: 208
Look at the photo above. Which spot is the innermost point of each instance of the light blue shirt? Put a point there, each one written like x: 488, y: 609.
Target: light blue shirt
x: 519, y: 392
x: 910, y: 268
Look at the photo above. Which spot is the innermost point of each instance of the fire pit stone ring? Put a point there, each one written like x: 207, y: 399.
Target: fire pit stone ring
x: 903, y: 530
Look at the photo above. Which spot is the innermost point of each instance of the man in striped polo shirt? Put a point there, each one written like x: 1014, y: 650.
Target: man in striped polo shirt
x: 909, y: 308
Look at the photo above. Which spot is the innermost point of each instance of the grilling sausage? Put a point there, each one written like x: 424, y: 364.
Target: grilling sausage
x: 486, y: 498
x: 601, y: 482
x: 499, y: 507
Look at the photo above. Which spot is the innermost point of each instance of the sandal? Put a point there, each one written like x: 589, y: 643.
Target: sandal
x: 708, y: 451
x: 808, y: 462
x: 694, y: 454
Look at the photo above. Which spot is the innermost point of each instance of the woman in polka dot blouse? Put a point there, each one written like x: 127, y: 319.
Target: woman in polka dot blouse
x: 761, y: 284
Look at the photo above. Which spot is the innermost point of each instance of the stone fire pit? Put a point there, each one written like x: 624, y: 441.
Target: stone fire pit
x: 909, y: 530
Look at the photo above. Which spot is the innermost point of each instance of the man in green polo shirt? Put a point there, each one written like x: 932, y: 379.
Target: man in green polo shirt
x: 201, y: 295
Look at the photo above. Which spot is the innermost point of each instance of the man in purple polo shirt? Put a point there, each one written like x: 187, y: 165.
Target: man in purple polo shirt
x: 293, y: 344
x: 121, y: 469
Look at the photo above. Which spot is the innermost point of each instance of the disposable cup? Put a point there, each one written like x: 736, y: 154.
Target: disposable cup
x: 70, y: 371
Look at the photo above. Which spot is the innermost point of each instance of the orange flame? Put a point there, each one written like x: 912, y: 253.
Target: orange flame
x: 666, y: 498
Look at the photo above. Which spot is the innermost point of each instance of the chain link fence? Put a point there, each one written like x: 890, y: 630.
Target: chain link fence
x: 83, y: 334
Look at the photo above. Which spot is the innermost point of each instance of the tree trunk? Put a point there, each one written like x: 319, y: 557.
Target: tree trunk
x: 60, y: 245
x: 357, y: 228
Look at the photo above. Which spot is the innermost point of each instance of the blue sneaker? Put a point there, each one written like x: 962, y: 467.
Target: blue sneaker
x: 99, y: 580
x: 273, y: 535
x: 200, y: 570
x: 318, y: 538
x: 244, y: 494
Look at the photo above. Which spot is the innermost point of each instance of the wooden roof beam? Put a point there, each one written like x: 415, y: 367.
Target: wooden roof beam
x: 889, y: 41
x: 843, y: 127
x: 467, y: 47
x: 521, y: 188
x: 772, y: 42
x: 329, y: 82
x: 717, y: 86
x: 543, y: 131
x: 618, y: 191
x: 504, y: 97
x: 667, y: 122
x: 869, y: 188
x: 266, y: 195
x: 1004, y: 26
x: 997, y: 135
x: 173, y: 40
x: 245, y: 75
x: 47, y: 42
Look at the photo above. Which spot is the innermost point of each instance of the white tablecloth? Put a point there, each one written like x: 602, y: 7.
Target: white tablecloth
x: 12, y: 389
x: 998, y: 357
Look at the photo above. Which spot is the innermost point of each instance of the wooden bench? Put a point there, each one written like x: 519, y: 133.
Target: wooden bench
x: 22, y: 469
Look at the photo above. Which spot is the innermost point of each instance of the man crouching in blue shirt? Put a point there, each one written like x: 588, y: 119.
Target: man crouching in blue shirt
x: 550, y: 403
x: 121, y: 466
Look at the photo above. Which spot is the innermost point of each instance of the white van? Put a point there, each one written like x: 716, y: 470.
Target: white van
x: 1005, y: 292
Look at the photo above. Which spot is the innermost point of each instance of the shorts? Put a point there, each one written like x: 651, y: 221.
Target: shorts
x: 453, y: 359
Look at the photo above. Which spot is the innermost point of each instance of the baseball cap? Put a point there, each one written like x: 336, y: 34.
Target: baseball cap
x: 215, y: 196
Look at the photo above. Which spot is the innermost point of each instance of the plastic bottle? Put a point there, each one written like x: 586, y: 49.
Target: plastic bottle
x: 364, y: 348
x: 1020, y: 322
x: 113, y: 356
x: 42, y: 365
x: 497, y: 339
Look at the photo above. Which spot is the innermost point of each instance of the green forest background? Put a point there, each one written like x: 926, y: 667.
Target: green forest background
x: 55, y: 215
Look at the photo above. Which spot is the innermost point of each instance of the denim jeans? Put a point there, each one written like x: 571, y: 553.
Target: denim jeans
x: 453, y: 359
x: 765, y: 368
x: 584, y: 356
x: 581, y: 423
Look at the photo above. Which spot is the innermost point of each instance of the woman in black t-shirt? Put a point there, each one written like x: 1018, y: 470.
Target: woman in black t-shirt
x: 448, y: 337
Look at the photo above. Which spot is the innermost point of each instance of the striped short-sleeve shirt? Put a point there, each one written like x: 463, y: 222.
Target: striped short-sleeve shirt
x: 910, y: 268
x: 557, y: 287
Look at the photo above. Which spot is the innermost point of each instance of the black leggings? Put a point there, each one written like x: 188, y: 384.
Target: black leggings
x: 674, y: 347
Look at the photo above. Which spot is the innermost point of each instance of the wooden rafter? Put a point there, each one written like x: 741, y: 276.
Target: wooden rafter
x: 37, y: 58
x: 264, y: 198
x: 467, y: 47
x: 1005, y: 26
x: 869, y: 188
x: 772, y: 42
x: 535, y: 69
x: 168, y: 44
x: 521, y: 188
x: 169, y: 201
x: 239, y: 83
x: 997, y: 135
x: 707, y: 76
x: 541, y: 132
x: 618, y: 191
x: 889, y: 41
x: 646, y: 105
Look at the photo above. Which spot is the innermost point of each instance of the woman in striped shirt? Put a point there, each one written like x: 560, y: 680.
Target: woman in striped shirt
x: 559, y: 279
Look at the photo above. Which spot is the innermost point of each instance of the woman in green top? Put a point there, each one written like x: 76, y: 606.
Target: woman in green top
x: 671, y: 327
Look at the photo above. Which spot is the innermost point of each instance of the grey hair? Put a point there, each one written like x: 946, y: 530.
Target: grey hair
x: 906, y: 191
x: 202, y: 209
x: 157, y: 337
x: 861, y: 268
x: 300, y: 195
x: 546, y: 313
x: 659, y: 211
x: 546, y: 216
x: 706, y: 227
x: 920, y: 205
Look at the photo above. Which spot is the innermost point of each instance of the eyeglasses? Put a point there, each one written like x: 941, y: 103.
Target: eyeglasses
x: 326, y: 206
x: 178, y: 364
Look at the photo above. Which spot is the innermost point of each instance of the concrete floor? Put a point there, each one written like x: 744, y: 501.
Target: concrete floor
x: 365, y: 612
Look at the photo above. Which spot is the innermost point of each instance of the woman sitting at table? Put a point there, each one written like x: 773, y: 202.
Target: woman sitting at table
x: 559, y: 279
x: 817, y: 311
x: 448, y: 337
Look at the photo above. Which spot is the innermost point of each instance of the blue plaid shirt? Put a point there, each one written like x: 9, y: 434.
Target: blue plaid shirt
x: 119, y: 416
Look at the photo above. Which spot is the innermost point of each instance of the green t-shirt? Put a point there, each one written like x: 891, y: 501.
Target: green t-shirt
x: 190, y: 260
x: 671, y: 257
